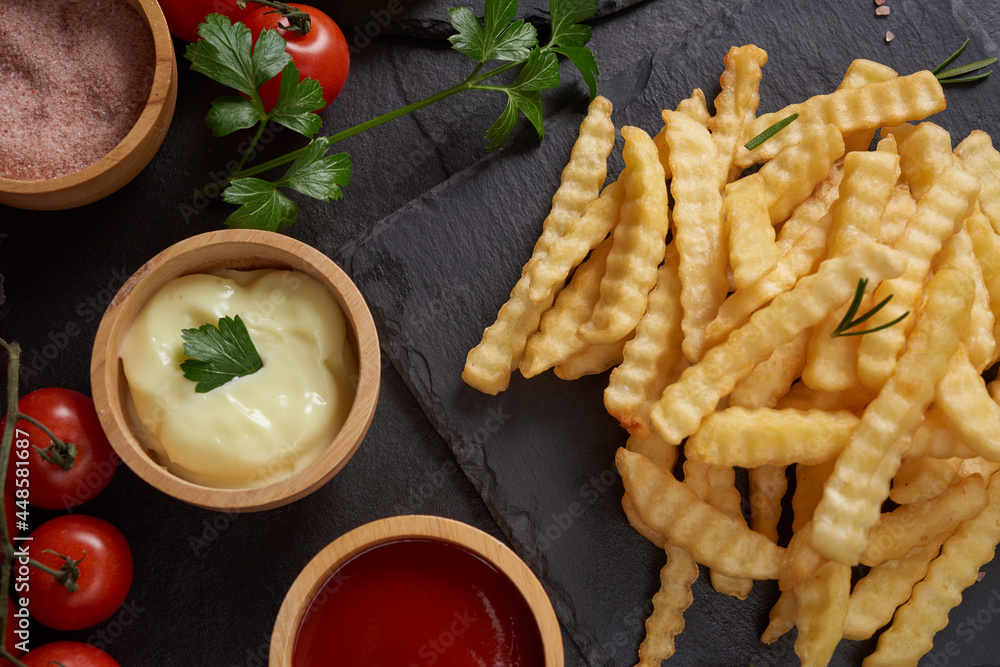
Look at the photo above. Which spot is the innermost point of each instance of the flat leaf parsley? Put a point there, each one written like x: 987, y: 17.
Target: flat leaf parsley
x: 227, y: 54
x: 219, y: 354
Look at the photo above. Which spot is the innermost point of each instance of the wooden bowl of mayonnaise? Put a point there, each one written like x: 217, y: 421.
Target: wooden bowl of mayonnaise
x: 247, y: 442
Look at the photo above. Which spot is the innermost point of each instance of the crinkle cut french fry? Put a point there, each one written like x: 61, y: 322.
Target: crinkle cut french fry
x: 986, y: 245
x: 637, y: 522
x: 874, y: 105
x: 822, y: 608
x: 803, y: 397
x: 899, y: 209
x: 809, y: 481
x: 716, y: 485
x: 782, y: 617
x: 869, y: 179
x: 736, y: 103
x: 983, y: 161
x: 698, y: 228
x: 977, y: 339
x: 802, y: 562
x: 711, y: 536
x: 922, y: 478
x: 752, y: 252
x: 489, y: 364
x: 749, y: 438
x: 639, y: 242
x: 767, y: 486
x: 967, y: 407
x: 772, y: 379
x: 814, y: 211
x: 924, y: 153
x: 911, y: 634
x: 854, y: 494
x: 695, y: 395
x: 694, y: 107
x: 940, y: 213
x: 796, y: 259
x: 556, y: 339
x: 934, y: 439
x: 650, y: 357
x: 592, y: 360
x: 886, y: 586
x: 792, y: 174
x: 860, y: 72
x: 918, y: 524
x: 600, y: 217
x: 669, y: 604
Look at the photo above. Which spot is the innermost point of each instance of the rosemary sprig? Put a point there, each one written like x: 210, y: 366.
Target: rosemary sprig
x: 850, y: 321
x: 957, y: 74
x: 770, y: 132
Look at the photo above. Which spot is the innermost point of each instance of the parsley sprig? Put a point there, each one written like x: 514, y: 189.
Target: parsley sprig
x: 219, y: 354
x: 224, y: 54
x: 849, y: 320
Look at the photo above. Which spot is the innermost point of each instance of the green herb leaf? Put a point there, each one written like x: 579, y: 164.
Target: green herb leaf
x: 770, y: 132
x: 956, y: 74
x: 566, y: 16
x: 499, y: 37
x: 230, y: 113
x: 219, y: 354
x: 318, y: 175
x: 849, y: 321
x: 297, y: 100
x: 585, y: 61
x: 539, y: 73
x: 503, y: 126
x: 262, y: 205
x: 223, y: 54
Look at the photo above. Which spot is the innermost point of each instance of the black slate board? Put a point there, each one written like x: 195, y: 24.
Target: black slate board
x: 541, y: 453
x: 427, y: 18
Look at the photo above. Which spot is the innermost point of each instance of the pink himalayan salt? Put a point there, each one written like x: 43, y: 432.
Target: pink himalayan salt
x: 74, y: 76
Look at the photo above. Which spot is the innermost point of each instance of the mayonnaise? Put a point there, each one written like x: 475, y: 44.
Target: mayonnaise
x: 256, y: 428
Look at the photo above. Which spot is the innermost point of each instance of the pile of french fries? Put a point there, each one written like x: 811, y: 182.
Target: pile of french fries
x: 746, y: 316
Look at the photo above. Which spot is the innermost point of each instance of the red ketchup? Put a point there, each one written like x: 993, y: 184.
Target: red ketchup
x: 415, y: 603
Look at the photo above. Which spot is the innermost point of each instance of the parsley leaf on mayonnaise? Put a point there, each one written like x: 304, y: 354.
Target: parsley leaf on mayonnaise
x: 219, y: 354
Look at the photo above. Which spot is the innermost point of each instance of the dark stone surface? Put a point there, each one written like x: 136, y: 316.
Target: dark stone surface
x: 428, y: 18
x: 208, y: 585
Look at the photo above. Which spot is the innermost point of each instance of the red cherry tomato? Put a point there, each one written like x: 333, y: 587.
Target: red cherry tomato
x: 11, y: 638
x: 184, y: 16
x: 105, y: 571
x: 320, y: 54
x: 68, y: 654
x: 71, y: 416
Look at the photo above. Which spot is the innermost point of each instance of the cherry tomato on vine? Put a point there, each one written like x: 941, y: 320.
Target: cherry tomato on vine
x: 320, y: 54
x: 71, y: 416
x: 104, y: 560
x: 183, y: 16
x: 68, y: 654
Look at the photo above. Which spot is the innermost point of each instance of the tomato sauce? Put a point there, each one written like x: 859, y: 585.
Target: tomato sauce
x: 419, y: 602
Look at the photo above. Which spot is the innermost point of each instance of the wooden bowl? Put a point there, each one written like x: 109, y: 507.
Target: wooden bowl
x: 327, y: 562
x: 130, y: 156
x: 231, y: 249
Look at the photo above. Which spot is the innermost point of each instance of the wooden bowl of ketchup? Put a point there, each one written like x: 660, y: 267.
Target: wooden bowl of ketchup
x: 416, y: 590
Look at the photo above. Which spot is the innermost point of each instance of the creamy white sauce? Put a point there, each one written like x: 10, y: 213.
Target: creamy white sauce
x: 256, y: 428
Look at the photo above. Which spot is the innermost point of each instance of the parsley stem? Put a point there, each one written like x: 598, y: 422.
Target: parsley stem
x: 253, y: 145
x: 470, y: 83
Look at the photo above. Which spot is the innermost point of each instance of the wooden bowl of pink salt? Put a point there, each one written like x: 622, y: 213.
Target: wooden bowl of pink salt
x: 87, y: 92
